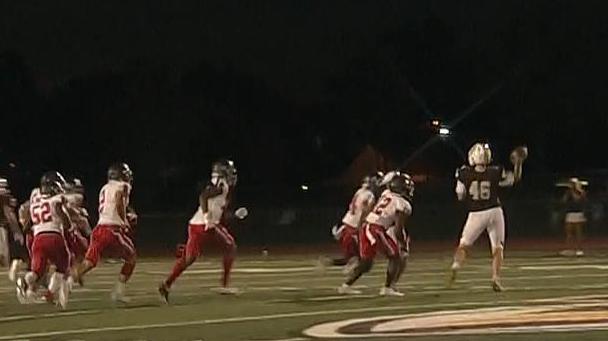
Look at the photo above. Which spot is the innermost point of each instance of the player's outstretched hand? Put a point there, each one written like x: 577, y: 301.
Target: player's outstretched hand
x: 519, y: 155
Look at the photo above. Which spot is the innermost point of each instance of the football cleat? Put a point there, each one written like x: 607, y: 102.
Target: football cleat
x: 391, y: 292
x: 346, y: 289
x: 21, y: 287
x: 496, y: 286
x: 63, y: 295
x: 567, y: 253
x: 118, y: 294
x: 163, y: 292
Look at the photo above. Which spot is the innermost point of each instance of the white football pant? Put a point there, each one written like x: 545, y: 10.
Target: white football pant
x: 491, y: 220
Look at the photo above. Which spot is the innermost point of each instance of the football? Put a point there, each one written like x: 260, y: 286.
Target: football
x: 519, y: 154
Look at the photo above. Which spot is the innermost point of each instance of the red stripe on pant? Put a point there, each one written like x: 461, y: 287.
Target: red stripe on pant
x: 198, y: 237
x: 348, y: 240
x: 111, y: 240
x: 373, y: 237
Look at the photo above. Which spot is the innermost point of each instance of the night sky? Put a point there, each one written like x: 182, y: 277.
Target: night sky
x: 293, y: 90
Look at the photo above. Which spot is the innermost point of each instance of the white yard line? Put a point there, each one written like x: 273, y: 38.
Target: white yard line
x: 290, y: 339
x: 251, y: 319
x: 565, y: 267
x: 54, y: 314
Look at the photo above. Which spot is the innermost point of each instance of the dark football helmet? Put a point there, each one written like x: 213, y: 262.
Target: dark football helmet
x: 403, y: 185
x: 225, y: 169
x: 120, y: 172
x: 52, y: 183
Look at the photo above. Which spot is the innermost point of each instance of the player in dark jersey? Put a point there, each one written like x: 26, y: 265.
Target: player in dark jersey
x: 478, y: 185
x: 9, y: 225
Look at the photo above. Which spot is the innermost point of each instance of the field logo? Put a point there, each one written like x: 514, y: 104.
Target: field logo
x: 547, y: 317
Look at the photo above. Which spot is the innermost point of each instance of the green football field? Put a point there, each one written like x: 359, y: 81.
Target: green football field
x: 284, y: 298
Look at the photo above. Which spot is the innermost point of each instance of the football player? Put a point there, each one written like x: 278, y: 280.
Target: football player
x: 9, y: 225
x: 347, y: 234
x: 77, y: 235
x: 112, y: 234
x: 48, y: 217
x: 477, y: 185
x: 399, y: 234
x: 209, y: 223
x: 390, y: 212
x: 25, y: 221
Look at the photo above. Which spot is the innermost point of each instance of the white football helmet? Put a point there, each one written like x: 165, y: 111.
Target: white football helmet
x: 480, y: 155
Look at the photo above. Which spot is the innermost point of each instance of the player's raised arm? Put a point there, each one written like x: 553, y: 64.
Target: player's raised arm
x: 518, y: 156
x: 510, y: 178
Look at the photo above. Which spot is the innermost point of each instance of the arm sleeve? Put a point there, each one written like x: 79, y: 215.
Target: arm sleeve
x: 461, y: 190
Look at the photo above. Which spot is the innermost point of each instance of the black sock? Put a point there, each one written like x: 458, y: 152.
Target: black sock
x: 363, y: 267
x: 339, y: 261
x: 392, y: 271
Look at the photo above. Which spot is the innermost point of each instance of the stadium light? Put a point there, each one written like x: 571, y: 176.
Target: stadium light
x: 444, y: 131
x: 304, y: 188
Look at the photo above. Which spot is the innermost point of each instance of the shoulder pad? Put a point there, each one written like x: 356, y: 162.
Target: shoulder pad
x: 460, y: 170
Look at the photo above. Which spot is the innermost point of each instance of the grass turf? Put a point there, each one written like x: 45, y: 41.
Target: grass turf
x: 283, y: 295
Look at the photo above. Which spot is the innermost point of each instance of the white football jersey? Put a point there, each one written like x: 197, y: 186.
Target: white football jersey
x: 362, y: 198
x: 215, y: 208
x: 385, y: 211
x: 108, y: 209
x: 43, y: 212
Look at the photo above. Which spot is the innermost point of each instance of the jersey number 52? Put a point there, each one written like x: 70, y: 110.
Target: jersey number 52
x: 384, y: 202
x: 41, y: 213
x: 480, y: 190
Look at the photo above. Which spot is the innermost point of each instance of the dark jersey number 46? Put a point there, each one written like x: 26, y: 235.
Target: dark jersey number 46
x: 480, y: 190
